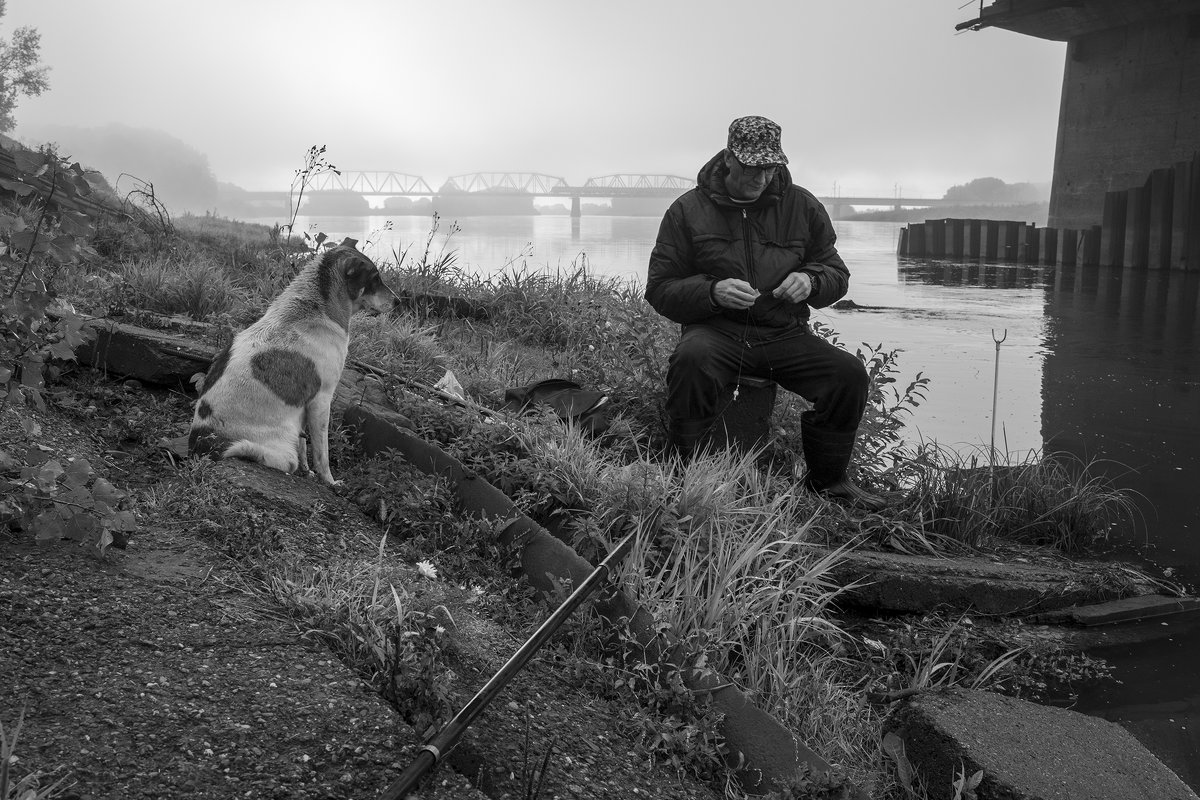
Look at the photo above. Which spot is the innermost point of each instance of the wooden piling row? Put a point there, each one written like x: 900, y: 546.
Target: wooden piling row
x: 1153, y: 226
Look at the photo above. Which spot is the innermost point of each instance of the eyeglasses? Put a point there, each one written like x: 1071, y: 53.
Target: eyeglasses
x: 753, y: 172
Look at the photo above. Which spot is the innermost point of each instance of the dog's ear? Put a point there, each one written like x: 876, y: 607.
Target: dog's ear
x: 358, y: 273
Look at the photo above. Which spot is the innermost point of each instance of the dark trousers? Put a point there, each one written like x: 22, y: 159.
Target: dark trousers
x: 706, y: 362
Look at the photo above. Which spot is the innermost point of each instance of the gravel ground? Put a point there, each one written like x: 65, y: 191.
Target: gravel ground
x: 138, y: 678
x: 147, y: 673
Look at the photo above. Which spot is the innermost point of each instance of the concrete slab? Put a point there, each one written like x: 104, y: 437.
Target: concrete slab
x: 1026, y: 751
x: 1128, y: 609
x: 903, y: 583
x: 157, y: 357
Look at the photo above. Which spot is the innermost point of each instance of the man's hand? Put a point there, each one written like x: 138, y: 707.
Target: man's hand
x: 796, y: 286
x: 734, y: 293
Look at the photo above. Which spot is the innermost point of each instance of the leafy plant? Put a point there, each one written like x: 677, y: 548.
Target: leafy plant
x: 43, y: 232
x: 807, y: 785
x: 70, y: 502
x: 965, y: 785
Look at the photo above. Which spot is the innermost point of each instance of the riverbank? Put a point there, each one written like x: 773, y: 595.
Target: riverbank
x: 596, y: 332
x: 197, y: 568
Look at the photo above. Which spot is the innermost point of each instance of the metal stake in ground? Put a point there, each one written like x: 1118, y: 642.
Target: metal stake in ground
x: 447, y: 738
x: 996, y: 388
x: 995, y: 396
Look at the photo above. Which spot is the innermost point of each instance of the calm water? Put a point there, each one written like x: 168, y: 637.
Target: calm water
x: 1101, y: 363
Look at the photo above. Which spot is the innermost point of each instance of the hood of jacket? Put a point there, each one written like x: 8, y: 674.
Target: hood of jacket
x: 706, y: 237
x: 711, y: 181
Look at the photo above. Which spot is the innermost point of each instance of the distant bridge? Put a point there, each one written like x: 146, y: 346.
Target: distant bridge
x: 384, y: 183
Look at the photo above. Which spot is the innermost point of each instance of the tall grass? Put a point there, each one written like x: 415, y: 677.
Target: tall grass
x: 399, y: 345
x: 732, y: 570
x: 1054, y: 500
x: 196, y: 288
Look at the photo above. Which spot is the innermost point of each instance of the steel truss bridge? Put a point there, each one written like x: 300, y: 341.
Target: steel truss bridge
x: 383, y: 183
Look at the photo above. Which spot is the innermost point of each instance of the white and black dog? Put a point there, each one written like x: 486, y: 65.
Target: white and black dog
x: 277, y: 377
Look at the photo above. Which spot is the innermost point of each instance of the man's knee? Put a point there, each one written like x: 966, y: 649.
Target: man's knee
x: 852, y: 373
x: 693, y: 354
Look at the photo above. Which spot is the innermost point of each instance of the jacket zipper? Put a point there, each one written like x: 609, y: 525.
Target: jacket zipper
x: 749, y: 272
x: 749, y: 249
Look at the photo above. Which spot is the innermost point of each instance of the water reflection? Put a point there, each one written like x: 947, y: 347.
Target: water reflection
x: 1120, y: 388
x: 1120, y: 383
x: 984, y: 276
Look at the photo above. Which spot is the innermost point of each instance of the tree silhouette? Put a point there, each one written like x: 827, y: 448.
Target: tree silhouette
x: 21, y: 71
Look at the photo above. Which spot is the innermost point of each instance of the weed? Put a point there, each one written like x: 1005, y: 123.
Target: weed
x: 365, y: 616
x: 805, y: 785
x: 315, y: 163
x: 30, y: 787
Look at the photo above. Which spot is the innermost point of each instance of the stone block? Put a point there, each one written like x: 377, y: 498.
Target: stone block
x: 156, y: 357
x: 1048, y: 246
x: 1112, y: 230
x: 972, y: 238
x: 1161, y: 187
x: 1137, y: 227
x: 935, y: 238
x: 902, y: 583
x: 954, y: 238
x: 1181, y: 195
x: 1129, y: 609
x: 989, y: 239
x: 1026, y: 751
x: 916, y: 240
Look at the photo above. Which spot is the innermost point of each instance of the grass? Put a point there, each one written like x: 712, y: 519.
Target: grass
x: 1053, y: 501
x: 740, y: 566
x: 32, y: 786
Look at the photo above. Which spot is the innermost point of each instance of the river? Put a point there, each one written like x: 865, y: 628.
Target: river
x: 1100, y: 363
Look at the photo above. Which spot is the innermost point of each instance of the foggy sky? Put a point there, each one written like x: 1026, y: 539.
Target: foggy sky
x: 871, y: 94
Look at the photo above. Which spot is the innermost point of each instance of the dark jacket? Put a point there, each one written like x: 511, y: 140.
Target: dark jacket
x: 705, y: 237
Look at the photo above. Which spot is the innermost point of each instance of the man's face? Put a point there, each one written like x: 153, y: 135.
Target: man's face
x: 747, y: 183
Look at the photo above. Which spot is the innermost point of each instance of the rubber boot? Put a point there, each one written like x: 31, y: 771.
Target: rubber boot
x: 827, y: 454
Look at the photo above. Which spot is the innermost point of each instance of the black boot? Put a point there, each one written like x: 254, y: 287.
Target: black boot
x: 827, y: 454
x: 685, y: 437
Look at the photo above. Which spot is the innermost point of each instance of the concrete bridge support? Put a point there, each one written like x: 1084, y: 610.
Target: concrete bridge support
x: 1130, y: 97
x: 1130, y: 105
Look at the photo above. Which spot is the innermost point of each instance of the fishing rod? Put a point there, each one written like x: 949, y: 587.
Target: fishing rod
x: 447, y: 738
x: 379, y: 372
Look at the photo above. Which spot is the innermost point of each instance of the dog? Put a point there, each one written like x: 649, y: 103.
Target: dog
x: 277, y: 377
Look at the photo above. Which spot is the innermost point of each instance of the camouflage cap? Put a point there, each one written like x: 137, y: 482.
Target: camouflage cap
x: 754, y: 141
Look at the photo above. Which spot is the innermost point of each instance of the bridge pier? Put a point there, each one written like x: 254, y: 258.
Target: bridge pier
x: 576, y: 210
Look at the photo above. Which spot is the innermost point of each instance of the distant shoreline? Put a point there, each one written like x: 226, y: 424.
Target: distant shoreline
x: 1035, y: 213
